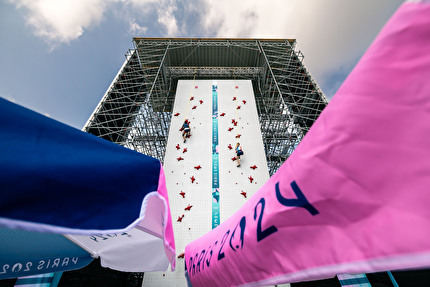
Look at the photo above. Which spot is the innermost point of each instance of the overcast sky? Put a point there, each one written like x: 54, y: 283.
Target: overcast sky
x: 58, y: 57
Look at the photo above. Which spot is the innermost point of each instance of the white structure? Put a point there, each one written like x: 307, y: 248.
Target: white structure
x: 193, y: 159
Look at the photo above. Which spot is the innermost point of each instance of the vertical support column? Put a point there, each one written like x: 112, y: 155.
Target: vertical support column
x: 215, y: 158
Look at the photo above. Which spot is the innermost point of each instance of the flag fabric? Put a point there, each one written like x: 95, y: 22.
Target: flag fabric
x: 41, y: 280
x: 25, y: 253
x: 353, y: 197
x: 58, y: 179
x: 353, y: 280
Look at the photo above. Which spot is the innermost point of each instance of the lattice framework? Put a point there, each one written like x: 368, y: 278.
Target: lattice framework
x: 137, y: 107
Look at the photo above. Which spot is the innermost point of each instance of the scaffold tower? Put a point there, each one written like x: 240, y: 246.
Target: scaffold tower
x: 136, y: 109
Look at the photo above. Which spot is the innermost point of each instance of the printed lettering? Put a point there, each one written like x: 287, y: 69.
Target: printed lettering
x: 204, y: 258
x: 65, y: 261
x: 301, y: 200
x: 27, y: 266
x: 194, y: 264
x: 199, y: 261
x: 75, y: 260
x: 5, y: 268
x: 208, y: 261
x: 237, y: 238
x: 221, y: 255
x: 55, y: 263
x: 242, y: 225
x: 17, y: 267
x: 41, y: 263
x: 191, y: 264
x: 101, y: 236
x: 261, y: 234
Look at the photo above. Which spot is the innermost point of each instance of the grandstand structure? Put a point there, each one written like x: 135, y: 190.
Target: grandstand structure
x: 137, y: 107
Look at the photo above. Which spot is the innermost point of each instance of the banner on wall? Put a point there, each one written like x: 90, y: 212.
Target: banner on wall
x: 353, y: 197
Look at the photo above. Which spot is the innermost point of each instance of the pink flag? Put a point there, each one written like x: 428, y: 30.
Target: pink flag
x: 354, y: 196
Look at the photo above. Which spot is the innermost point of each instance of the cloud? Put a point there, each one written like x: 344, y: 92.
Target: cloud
x: 166, y: 17
x: 135, y: 29
x: 332, y: 34
x: 61, y: 21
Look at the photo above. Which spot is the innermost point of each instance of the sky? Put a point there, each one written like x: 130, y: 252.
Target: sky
x: 58, y: 57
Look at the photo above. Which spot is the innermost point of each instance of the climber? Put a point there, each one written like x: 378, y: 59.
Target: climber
x: 186, y: 130
x: 239, y: 152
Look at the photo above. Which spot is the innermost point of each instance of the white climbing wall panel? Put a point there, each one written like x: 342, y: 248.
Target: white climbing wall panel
x: 236, y: 100
x: 193, y: 160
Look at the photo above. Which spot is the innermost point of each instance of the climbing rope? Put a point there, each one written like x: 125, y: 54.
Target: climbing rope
x: 191, y: 95
x: 237, y: 112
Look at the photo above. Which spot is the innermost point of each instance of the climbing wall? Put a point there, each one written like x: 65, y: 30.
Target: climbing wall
x: 205, y: 185
x: 238, y: 122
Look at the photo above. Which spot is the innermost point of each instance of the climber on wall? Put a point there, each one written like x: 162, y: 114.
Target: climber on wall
x: 186, y: 130
x: 239, y: 152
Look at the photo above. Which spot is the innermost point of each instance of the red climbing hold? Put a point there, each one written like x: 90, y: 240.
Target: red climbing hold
x: 185, y: 150
x: 196, y: 87
x: 182, y: 193
x: 244, y: 102
x: 178, y: 147
x: 192, y: 179
x: 180, y: 158
x: 192, y: 98
x: 233, y: 158
x: 230, y: 129
x: 243, y: 193
x: 182, y: 255
x: 230, y: 147
x: 198, y: 167
x: 177, y: 114
x: 253, y: 167
x: 194, y: 107
x: 201, y: 102
x: 237, y: 87
x: 238, y: 108
x: 180, y: 218
x: 223, y: 114
x: 235, y: 123
x: 238, y: 136
x: 250, y: 179
x: 234, y: 98
x: 188, y: 207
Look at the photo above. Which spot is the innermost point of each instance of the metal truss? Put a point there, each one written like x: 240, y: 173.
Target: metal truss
x: 136, y: 109
x: 215, y: 72
x: 288, y: 101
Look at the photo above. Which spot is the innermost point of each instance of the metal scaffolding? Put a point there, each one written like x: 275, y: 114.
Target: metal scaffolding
x: 136, y: 109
